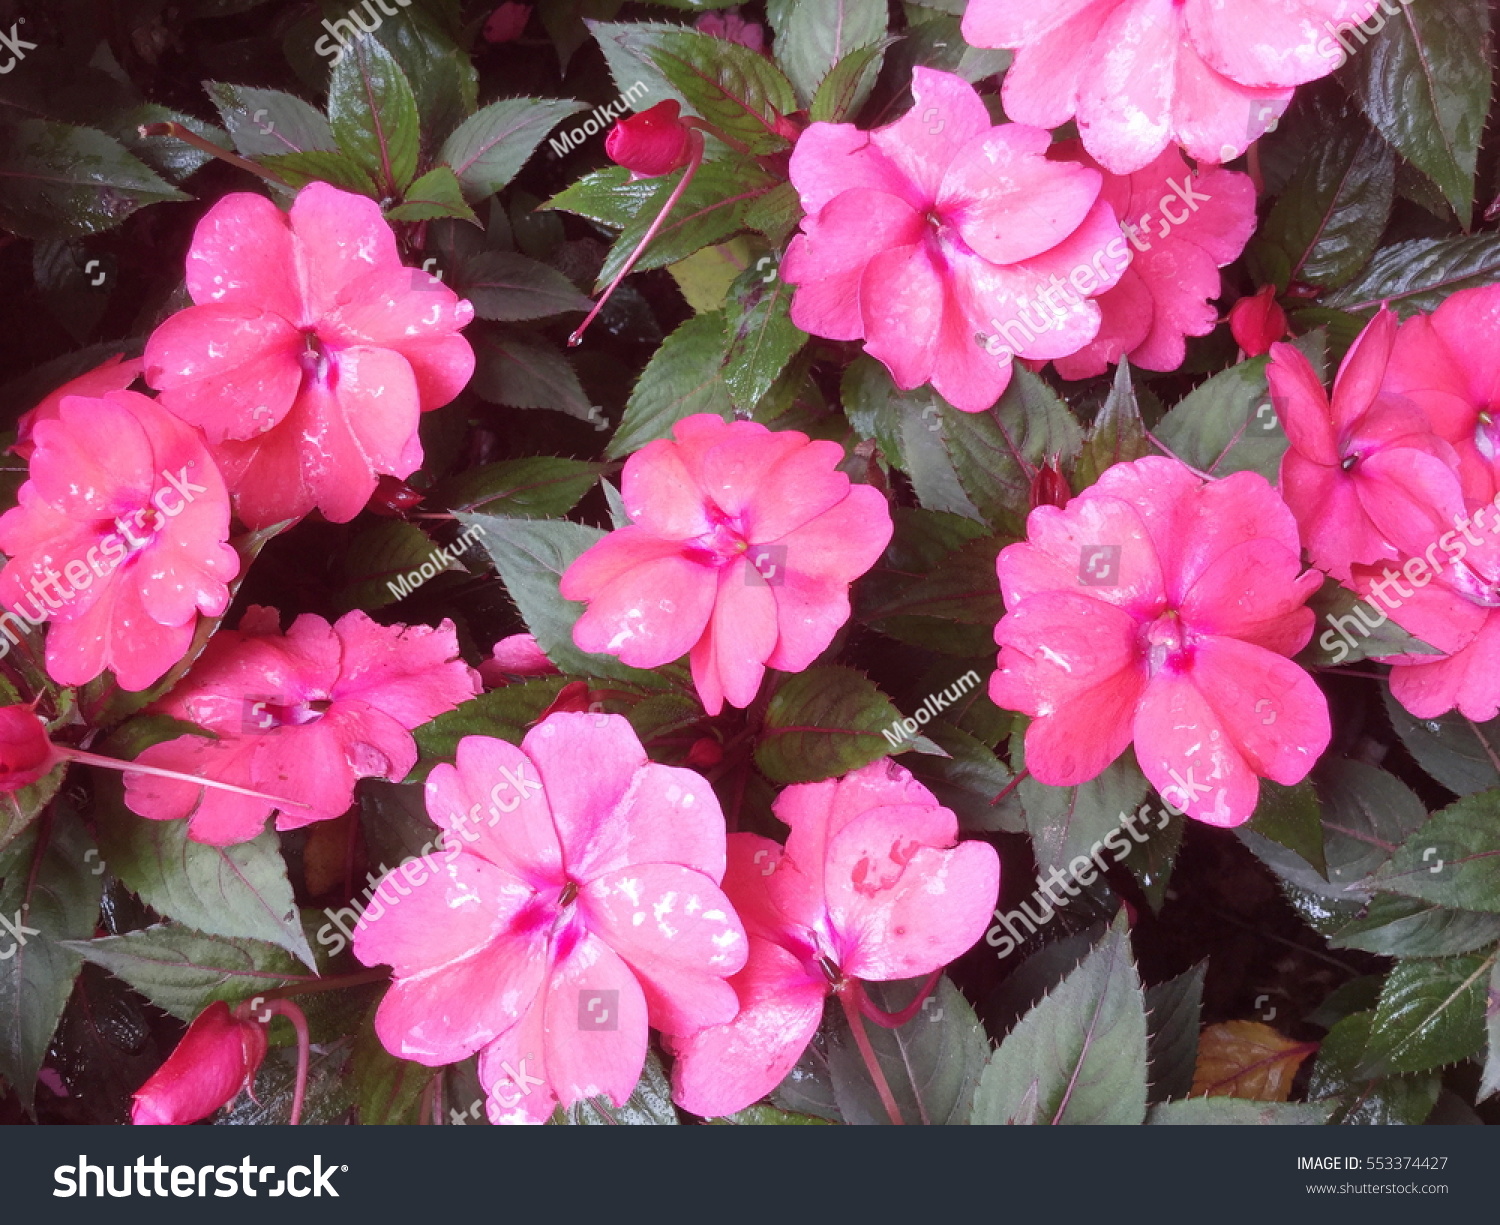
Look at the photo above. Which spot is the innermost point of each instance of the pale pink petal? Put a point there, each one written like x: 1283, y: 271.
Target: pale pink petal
x: 1188, y: 755
x: 946, y: 115
x: 1272, y: 712
x: 242, y: 254
x: 491, y: 804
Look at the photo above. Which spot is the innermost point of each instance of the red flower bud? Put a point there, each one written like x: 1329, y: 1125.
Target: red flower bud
x: 1258, y: 322
x: 706, y: 752
x: 1049, y: 487
x: 25, y: 752
x: 506, y: 23
x: 572, y: 697
x: 217, y: 1057
x: 652, y: 143
x: 393, y: 498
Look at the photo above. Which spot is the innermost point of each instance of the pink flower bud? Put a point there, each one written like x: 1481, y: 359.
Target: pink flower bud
x: 1258, y: 322
x: 217, y: 1057
x: 506, y: 23
x: 25, y: 752
x: 655, y: 142
x: 705, y: 753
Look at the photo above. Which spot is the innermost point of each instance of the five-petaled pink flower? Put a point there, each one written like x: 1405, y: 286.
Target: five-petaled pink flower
x: 742, y: 547
x: 870, y: 886
x: 1211, y: 75
x: 118, y: 538
x: 1184, y: 227
x: 301, y: 715
x: 929, y: 237
x: 576, y: 902
x: 1158, y: 609
x: 1365, y: 475
x: 310, y: 354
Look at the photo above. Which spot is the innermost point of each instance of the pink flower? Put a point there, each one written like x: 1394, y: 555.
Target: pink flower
x: 302, y: 714
x: 507, y: 23
x: 112, y: 374
x: 217, y: 1057
x: 1184, y: 228
x: 733, y: 27
x: 1158, y: 609
x: 576, y: 901
x: 1365, y: 475
x: 652, y: 143
x: 1258, y: 322
x: 515, y: 656
x: 310, y: 354
x: 870, y: 886
x: 118, y: 538
x: 926, y: 237
x: 743, y: 545
x: 25, y: 752
x: 1211, y: 75
x: 1448, y: 364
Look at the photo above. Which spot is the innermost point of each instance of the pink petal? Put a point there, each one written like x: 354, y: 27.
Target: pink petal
x: 587, y: 764
x: 668, y: 816
x: 902, y: 295
x: 490, y: 805
x: 1125, y: 104
x: 946, y: 114
x: 1042, y: 85
x: 410, y: 672
x: 242, y: 255
x: 1272, y: 42
x: 1187, y: 753
x: 651, y: 614
x: 728, y: 662
x: 1467, y: 681
x: 1253, y: 592
x: 832, y: 158
x: 583, y: 1060
x: 341, y: 237
x: 1302, y: 405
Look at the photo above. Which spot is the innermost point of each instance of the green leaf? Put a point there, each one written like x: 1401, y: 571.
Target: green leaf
x: 996, y: 453
x: 1079, y: 1056
x: 373, y: 114
x: 949, y: 604
x: 1431, y: 1013
x: 650, y: 1105
x: 1349, y: 636
x: 683, y: 377
x: 1454, y: 859
x: 1425, y: 83
x: 435, y: 195
x: 235, y: 891
x: 183, y: 971
x: 377, y: 562
x: 762, y: 337
x: 932, y: 1063
x: 737, y: 90
x: 847, y: 86
x: 61, y: 181
x: 1173, y: 1014
x: 1324, y: 227
x: 538, y: 487
x: 818, y: 34
x: 609, y: 196
x: 967, y: 780
x: 170, y: 157
x: 506, y: 713
x: 267, y: 121
x: 1462, y: 755
x: 822, y: 723
x: 507, y: 286
x: 1363, y: 1099
x: 441, y: 73
x: 1118, y: 436
x: 1395, y: 926
x: 1420, y: 275
x: 1237, y: 1112
x: 51, y: 897
x: 521, y: 368
x: 1228, y: 425
x: 490, y: 146
x: 939, y: 43
x: 775, y: 213
x: 320, y: 166
x: 767, y: 1116
x: 387, y: 1090
x: 1291, y: 817
x: 1068, y: 824
x: 531, y: 557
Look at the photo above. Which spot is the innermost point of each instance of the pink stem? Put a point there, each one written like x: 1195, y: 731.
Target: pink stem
x: 289, y: 1010
x: 133, y: 767
x: 694, y: 161
x: 188, y: 137
x: 851, y: 996
x: 895, y: 1020
x: 1011, y: 786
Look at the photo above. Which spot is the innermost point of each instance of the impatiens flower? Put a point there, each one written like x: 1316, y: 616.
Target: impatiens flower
x: 1160, y: 610
x: 516, y: 656
x: 870, y: 886
x: 1211, y: 75
x: 1258, y: 322
x: 217, y: 1057
x: 742, y: 547
x: 113, y: 374
x: 733, y: 27
x: 1448, y: 364
x: 930, y: 240
x: 1365, y: 475
x: 310, y: 353
x: 652, y: 143
x: 507, y: 23
x: 118, y: 539
x: 575, y: 903
x: 1183, y: 227
x: 302, y: 714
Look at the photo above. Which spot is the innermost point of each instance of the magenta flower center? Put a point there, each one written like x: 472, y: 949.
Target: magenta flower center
x: 1473, y: 585
x: 721, y: 544
x: 1487, y: 435
x: 319, y: 361
x: 294, y: 714
x: 1165, y: 643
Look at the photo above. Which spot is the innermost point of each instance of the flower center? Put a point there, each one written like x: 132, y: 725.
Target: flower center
x: 1487, y: 435
x: 721, y: 544
x: 1473, y: 585
x: 268, y: 714
x: 319, y: 361
x: 1165, y: 643
x: 570, y: 891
